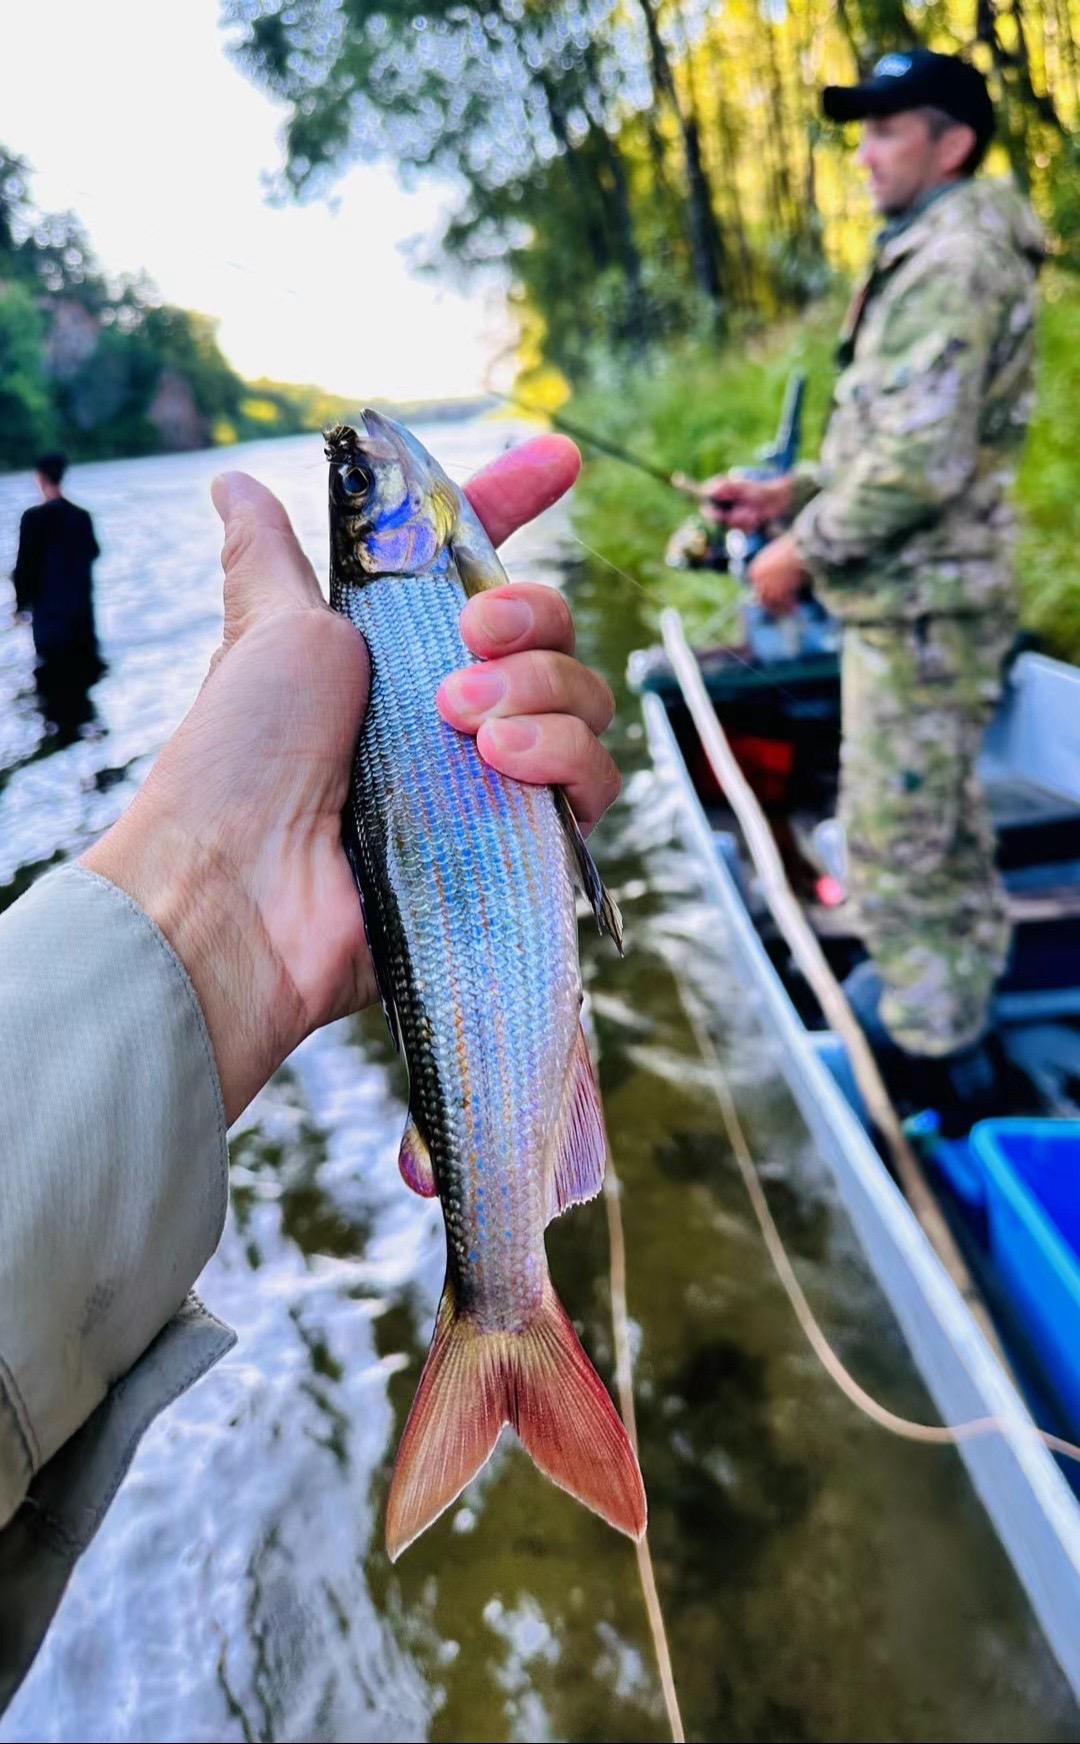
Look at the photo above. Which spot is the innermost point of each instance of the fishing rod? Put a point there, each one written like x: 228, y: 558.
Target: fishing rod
x: 677, y: 481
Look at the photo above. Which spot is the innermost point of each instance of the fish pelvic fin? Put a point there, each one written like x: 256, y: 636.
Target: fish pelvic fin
x: 414, y: 1161
x: 541, y: 1383
x: 580, y: 1141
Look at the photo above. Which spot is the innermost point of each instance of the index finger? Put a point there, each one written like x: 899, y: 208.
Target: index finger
x: 511, y: 619
x: 522, y: 483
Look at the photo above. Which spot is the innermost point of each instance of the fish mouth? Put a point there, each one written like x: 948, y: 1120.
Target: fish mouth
x: 375, y: 436
x: 342, y: 443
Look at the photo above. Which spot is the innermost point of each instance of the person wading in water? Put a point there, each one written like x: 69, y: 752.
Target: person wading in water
x: 54, y: 588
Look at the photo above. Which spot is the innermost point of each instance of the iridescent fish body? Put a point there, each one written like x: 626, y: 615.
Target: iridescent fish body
x: 467, y: 884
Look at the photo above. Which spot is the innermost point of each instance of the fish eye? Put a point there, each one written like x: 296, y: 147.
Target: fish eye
x: 354, y: 481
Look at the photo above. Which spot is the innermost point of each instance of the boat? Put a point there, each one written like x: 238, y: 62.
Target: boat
x: 1010, y: 1187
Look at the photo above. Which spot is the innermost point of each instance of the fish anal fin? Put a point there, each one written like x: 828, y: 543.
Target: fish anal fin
x: 580, y: 1143
x: 414, y: 1161
x: 608, y: 918
x: 541, y: 1382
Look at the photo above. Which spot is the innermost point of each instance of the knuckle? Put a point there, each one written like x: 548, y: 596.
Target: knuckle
x: 241, y: 539
x: 582, y: 744
x: 547, y: 681
x: 608, y: 781
x: 605, y: 701
x: 562, y: 619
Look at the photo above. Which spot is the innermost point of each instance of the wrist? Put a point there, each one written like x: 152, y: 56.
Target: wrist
x: 252, y: 1012
x: 780, y: 499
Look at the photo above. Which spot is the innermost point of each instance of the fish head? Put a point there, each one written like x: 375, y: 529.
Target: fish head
x: 392, y: 508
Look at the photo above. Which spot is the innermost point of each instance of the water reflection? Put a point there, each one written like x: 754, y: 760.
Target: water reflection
x: 63, y: 683
x: 819, y: 1581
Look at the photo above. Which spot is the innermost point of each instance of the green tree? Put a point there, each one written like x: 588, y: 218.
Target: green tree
x: 26, y: 412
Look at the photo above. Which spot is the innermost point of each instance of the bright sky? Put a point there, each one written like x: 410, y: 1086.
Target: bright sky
x: 132, y: 116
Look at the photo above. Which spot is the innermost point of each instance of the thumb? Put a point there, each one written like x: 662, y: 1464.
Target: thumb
x: 265, y: 569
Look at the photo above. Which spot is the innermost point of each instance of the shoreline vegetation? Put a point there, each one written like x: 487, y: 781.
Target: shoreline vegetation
x: 654, y: 182
x: 701, y: 408
x: 105, y: 370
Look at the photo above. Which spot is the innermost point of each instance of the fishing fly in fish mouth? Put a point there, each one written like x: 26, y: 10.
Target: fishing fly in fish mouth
x: 466, y: 878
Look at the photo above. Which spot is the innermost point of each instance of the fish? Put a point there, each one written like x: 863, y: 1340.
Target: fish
x: 467, y: 884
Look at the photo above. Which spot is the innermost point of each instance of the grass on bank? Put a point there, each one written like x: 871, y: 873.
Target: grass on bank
x: 702, y: 409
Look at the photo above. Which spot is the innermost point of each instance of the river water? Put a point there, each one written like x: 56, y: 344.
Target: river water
x: 819, y: 1580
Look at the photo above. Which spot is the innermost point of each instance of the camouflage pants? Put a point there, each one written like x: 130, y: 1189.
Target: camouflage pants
x: 929, y: 904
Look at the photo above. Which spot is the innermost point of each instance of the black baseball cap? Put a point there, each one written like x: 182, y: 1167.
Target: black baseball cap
x: 910, y: 79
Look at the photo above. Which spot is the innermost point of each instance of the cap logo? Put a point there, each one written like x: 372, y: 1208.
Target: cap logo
x: 892, y: 66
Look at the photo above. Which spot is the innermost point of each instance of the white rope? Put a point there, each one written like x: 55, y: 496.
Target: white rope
x: 624, y: 1381
x: 934, y: 1434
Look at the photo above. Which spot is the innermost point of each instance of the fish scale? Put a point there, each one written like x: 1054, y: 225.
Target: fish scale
x: 466, y: 885
x: 465, y: 856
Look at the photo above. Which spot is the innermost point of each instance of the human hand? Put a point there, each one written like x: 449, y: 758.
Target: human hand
x: 746, y: 503
x: 233, y: 845
x: 777, y: 574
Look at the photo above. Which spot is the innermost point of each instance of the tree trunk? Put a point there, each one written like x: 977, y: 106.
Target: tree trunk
x: 592, y: 214
x: 622, y: 222
x: 706, y: 243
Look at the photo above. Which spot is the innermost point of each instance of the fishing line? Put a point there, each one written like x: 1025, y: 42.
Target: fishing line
x: 932, y: 1434
x: 725, y: 619
x: 624, y: 1382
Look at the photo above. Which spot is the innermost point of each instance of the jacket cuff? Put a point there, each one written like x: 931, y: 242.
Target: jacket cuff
x: 113, y: 1156
x: 67, y: 1500
x: 822, y: 556
x: 805, y: 484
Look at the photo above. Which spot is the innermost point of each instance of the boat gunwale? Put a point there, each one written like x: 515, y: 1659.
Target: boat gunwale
x: 1033, y: 1510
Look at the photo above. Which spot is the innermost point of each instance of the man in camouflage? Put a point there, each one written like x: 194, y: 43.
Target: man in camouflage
x: 905, y: 529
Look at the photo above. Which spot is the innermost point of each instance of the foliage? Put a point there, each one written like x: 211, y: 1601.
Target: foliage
x: 83, y: 362
x: 26, y: 418
x: 642, y: 169
x: 704, y: 409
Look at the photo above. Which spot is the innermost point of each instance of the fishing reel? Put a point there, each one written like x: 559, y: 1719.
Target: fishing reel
x: 809, y: 630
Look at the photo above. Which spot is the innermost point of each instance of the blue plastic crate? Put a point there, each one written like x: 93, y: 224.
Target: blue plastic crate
x: 1031, y: 1170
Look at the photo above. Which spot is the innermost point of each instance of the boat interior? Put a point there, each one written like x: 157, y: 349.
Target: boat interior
x: 783, y: 724
x: 1016, y: 1208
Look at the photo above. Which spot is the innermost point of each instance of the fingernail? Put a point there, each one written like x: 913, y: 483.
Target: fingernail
x: 477, y: 689
x: 506, y: 620
x: 512, y: 735
x: 228, y: 489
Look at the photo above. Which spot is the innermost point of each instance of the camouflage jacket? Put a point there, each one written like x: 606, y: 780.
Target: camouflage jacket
x: 908, y: 509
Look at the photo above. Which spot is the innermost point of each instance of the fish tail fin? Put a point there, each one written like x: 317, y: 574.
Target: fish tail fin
x: 568, y: 1425
x: 542, y: 1383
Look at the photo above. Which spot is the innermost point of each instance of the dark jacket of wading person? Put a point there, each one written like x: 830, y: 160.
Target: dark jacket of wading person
x: 906, y: 528
x: 52, y: 574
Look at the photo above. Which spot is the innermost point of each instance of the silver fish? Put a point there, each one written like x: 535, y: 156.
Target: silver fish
x: 467, y: 885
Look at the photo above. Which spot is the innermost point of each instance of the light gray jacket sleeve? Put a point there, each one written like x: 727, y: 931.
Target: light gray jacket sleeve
x: 112, y: 1198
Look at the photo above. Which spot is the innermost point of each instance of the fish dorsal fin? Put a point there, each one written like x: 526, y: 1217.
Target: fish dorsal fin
x: 608, y: 918
x: 580, y: 1143
x: 477, y: 563
x: 414, y: 1161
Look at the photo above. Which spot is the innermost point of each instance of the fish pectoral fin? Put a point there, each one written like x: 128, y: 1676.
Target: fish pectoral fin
x: 580, y: 1140
x: 538, y: 1380
x: 477, y: 563
x: 414, y: 1161
x: 608, y: 918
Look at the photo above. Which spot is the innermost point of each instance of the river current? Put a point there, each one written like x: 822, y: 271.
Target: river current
x: 819, y: 1580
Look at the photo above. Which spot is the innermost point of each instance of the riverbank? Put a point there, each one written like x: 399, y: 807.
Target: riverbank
x: 703, y: 408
